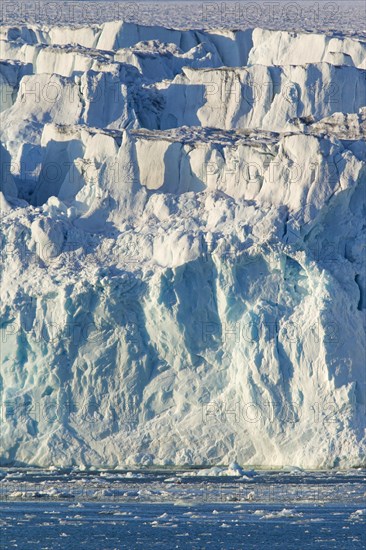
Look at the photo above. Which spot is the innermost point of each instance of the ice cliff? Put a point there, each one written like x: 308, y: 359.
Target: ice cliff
x: 183, y: 247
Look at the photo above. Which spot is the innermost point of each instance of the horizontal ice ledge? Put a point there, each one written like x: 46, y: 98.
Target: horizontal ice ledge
x: 266, y: 167
x: 235, y: 48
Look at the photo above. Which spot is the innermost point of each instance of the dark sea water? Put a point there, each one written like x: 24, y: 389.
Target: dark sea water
x: 160, y: 509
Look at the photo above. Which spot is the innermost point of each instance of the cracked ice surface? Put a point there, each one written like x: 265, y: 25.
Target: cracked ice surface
x: 182, y: 241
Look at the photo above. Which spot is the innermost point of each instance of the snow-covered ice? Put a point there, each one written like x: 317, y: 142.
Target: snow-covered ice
x: 183, y: 247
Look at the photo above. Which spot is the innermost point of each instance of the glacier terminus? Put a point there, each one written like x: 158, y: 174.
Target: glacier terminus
x: 182, y: 247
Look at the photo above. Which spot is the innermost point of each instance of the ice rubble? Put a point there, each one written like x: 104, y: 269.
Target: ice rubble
x: 183, y: 275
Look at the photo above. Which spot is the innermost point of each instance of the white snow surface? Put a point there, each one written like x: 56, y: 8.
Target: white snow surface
x: 183, y: 247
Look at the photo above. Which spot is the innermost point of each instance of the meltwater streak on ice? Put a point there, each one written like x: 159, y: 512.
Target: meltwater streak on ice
x: 183, y: 275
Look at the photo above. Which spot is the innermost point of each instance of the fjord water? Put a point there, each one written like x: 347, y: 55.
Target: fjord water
x: 182, y: 509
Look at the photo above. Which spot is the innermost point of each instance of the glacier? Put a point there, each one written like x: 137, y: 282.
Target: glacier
x: 183, y: 247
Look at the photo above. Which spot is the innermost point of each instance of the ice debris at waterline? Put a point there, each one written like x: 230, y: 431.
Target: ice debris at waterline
x: 183, y: 247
